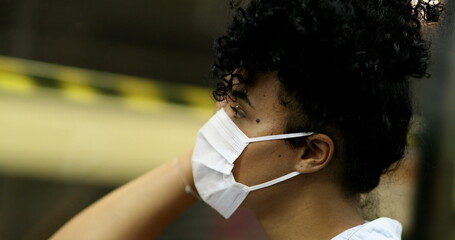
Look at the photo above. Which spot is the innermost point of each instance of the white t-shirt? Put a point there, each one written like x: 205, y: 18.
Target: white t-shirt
x: 379, y: 229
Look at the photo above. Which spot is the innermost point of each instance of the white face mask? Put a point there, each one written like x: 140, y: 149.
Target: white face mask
x: 218, y: 144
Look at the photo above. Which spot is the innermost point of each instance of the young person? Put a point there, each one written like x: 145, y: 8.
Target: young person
x: 316, y: 107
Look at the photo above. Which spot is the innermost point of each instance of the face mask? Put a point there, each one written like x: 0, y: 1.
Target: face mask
x: 218, y: 144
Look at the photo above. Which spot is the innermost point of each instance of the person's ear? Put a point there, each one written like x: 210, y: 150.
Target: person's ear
x: 315, y: 154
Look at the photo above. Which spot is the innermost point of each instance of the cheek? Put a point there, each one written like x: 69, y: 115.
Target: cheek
x: 261, y: 162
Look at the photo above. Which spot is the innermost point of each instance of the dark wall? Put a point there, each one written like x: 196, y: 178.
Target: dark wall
x: 162, y: 39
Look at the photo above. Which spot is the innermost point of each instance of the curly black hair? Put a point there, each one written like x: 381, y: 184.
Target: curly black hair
x: 344, y: 67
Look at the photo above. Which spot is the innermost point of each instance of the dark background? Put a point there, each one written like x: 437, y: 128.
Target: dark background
x: 166, y: 40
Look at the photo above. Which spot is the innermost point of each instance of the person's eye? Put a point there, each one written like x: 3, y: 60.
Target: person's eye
x: 238, y: 113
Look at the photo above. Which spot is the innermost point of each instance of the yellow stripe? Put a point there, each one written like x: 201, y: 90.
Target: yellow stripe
x: 16, y: 83
x: 11, y: 65
x: 143, y: 103
x: 140, y: 94
x: 71, y: 75
x: 138, y: 87
x: 198, y: 96
x: 78, y: 92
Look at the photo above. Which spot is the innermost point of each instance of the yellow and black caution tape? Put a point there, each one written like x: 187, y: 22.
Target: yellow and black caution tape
x: 27, y: 76
x: 75, y: 124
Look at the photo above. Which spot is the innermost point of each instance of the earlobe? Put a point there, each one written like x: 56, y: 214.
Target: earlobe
x: 315, y: 154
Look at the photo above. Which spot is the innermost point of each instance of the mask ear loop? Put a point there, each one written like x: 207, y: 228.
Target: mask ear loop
x: 282, y: 178
x: 279, y: 137
x: 272, y: 182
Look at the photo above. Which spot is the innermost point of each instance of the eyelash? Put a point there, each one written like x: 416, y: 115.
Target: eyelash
x: 237, y: 113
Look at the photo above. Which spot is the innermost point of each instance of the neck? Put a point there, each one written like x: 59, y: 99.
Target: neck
x: 317, y: 211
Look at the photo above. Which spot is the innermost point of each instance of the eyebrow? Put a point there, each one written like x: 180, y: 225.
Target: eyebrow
x: 242, y: 96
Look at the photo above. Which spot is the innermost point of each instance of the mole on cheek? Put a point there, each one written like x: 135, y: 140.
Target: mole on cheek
x: 258, y: 120
x: 279, y: 155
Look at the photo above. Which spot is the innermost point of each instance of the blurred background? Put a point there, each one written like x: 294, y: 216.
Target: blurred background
x: 96, y: 93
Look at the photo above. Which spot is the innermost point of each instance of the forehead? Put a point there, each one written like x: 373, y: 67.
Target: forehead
x: 265, y: 83
x: 263, y: 90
